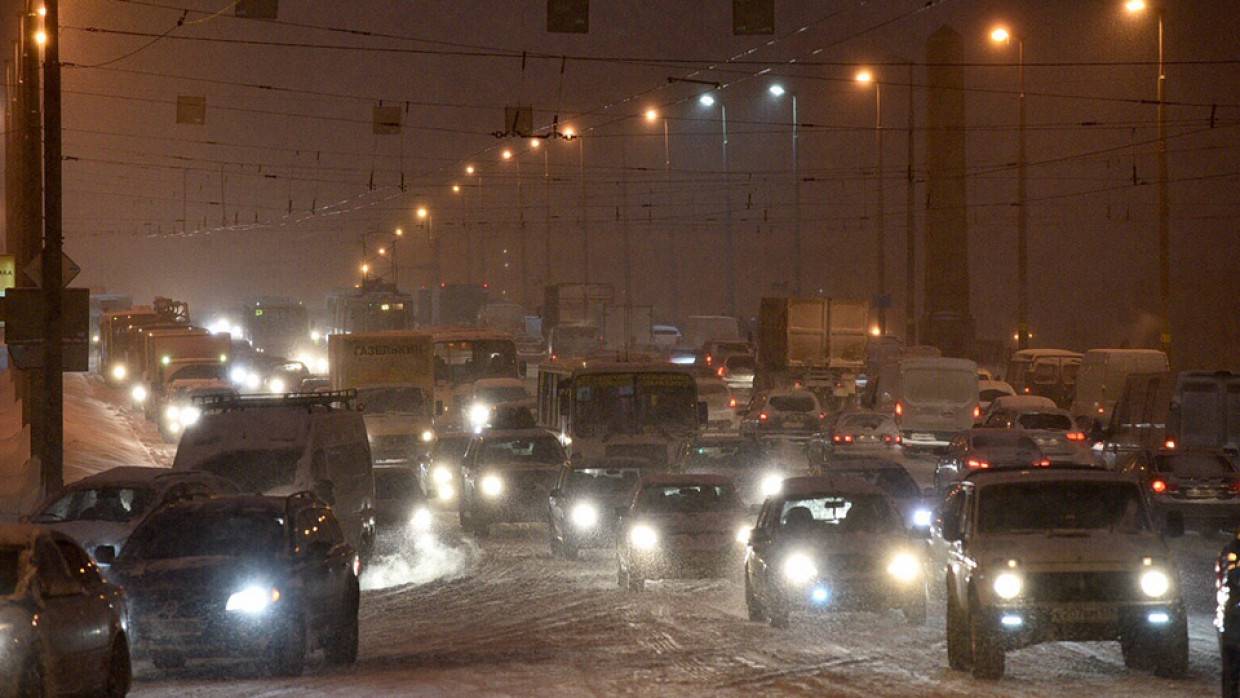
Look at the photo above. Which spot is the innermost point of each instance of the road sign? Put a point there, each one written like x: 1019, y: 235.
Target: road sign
x: 68, y: 270
x: 76, y: 356
x: 23, y: 316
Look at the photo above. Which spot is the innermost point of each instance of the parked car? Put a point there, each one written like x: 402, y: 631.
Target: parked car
x: 1203, y: 486
x: 833, y: 543
x: 63, y: 628
x: 582, y: 506
x: 507, y: 476
x: 785, y: 414
x: 986, y: 449
x: 245, y: 577
x: 678, y: 526
x: 104, y: 509
x: 1044, y: 555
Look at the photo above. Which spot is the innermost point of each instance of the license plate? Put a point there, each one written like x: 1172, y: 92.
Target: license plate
x: 922, y: 437
x: 1084, y: 615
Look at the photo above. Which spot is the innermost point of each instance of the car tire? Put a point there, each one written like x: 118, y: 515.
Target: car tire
x: 958, y: 652
x: 989, y: 661
x: 1230, y: 671
x: 167, y: 661
x: 341, y: 647
x: 1170, y: 655
x: 1136, y: 652
x: 752, y: 604
x: 288, y: 649
x: 120, y: 670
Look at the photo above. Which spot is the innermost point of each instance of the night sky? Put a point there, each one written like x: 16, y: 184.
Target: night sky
x: 455, y: 64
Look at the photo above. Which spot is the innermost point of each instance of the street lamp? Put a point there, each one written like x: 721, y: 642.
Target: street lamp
x: 777, y: 91
x: 651, y: 115
x: 866, y: 77
x: 1001, y: 35
x: 1136, y: 7
x: 570, y: 134
x: 506, y: 154
x: 707, y: 100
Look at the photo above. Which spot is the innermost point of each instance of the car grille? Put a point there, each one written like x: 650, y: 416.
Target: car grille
x: 173, y: 603
x: 847, y: 564
x: 394, y: 443
x: 1083, y: 586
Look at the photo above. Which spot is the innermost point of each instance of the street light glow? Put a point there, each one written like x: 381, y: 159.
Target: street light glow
x: 382, y: 251
x: 776, y: 90
x: 535, y: 143
x: 1135, y: 6
x: 864, y: 76
x: 469, y: 169
x: 506, y: 154
x: 365, y: 268
x: 651, y: 115
x: 422, y: 213
x: 706, y: 100
x: 570, y: 133
x: 40, y: 37
x: 399, y: 232
x: 1000, y: 35
x: 42, y: 10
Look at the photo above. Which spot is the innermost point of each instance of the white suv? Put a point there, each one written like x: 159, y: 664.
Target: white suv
x: 1053, y: 555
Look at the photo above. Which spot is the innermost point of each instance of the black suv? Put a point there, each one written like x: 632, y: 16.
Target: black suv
x: 1227, y: 618
x: 241, y: 577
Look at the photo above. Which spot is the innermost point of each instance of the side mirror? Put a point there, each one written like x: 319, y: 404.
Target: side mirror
x: 105, y: 554
x: 1174, y: 527
x: 703, y: 413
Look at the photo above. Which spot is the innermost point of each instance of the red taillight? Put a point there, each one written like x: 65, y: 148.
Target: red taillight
x: 977, y: 411
x: 709, y: 359
x: 732, y: 403
x: 891, y: 438
x: 848, y: 438
x: 1235, y: 487
x: 555, y: 357
x: 1075, y: 436
x: 1043, y: 463
x: 975, y: 464
x: 723, y: 371
x: 899, y: 409
x: 837, y: 439
x: 822, y: 415
x: 1027, y: 391
x: 762, y: 416
x: 1170, y: 443
x: 1159, y: 486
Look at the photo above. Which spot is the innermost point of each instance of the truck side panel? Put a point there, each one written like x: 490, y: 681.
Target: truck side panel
x: 381, y: 358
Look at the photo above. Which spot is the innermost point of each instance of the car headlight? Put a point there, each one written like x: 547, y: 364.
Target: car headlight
x: 445, y: 491
x: 491, y: 485
x: 479, y: 414
x: 1008, y: 585
x: 119, y: 371
x: 742, y: 535
x: 585, y: 515
x: 138, y: 393
x: 921, y: 518
x: 253, y: 381
x: 277, y: 385
x: 172, y: 413
x: 427, y: 436
x: 237, y: 375
x: 252, y: 600
x: 421, y: 519
x: 1155, y: 583
x: 643, y: 537
x: 441, y: 475
x: 905, y: 567
x: 800, y: 569
x: 189, y: 415
x: 771, y: 484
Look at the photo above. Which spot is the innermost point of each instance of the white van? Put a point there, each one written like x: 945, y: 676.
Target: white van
x: 278, y: 445
x: 1100, y: 380
x: 933, y: 399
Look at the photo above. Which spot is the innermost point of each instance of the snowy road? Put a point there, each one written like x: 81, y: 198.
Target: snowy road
x: 502, y: 617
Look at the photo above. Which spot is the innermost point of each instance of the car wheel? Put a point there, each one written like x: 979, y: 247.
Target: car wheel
x: 288, y: 649
x: 341, y: 648
x: 957, y: 634
x: 1136, y: 652
x: 752, y: 604
x: 1231, y: 671
x: 988, y: 656
x: 1171, y: 652
x: 166, y: 661
x: 120, y: 672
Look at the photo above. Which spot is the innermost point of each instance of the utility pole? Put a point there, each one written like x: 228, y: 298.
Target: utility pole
x: 880, y: 228
x: 53, y: 350
x: 729, y: 296
x: 673, y: 258
x: 585, y: 222
x: 624, y: 221
x: 547, y: 213
x: 910, y: 233
x: 1022, y: 222
x: 1164, y: 206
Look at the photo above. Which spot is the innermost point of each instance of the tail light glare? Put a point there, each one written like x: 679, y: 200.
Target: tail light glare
x: 1043, y: 463
x: 762, y: 416
x: 732, y: 402
x: 899, y: 409
x: 976, y: 464
x: 1160, y: 486
x: 1075, y: 436
x: 977, y: 411
x: 1170, y: 443
x: 721, y: 372
x: 709, y: 359
x: 1027, y: 391
x: 822, y: 415
x: 891, y: 438
x: 837, y: 439
x: 1235, y: 486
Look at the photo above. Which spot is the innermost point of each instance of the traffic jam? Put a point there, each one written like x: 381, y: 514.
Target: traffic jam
x: 569, y: 348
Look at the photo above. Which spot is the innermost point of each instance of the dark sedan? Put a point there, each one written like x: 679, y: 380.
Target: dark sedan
x: 986, y: 449
x: 507, y: 476
x: 1202, y: 485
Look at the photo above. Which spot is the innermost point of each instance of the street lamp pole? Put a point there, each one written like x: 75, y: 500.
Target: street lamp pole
x: 1001, y: 35
x: 910, y: 220
x: 673, y: 259
x: 777, y: 91
x: 880, y: 231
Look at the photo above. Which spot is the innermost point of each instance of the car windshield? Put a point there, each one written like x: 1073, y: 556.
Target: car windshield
x: 113, y: 504
x: 494, y: 395
x: 200, y: 372
x: 465, y: 361
x: 894, y: 481
x: 724, y: 454
x: 792, y: 403
x: 630, y: 403
x: 1045, y: 421
x: 194, y: 533
x: 1194, y: 465
x: 939, y: 385
x: 671, y: 499
x: 1049, y: 506
x: 450, y: 448
x: 393, y: 400
x: 838, y: 513
x: 522, y: 450
x: 10, y: 559
x: 395, y: 483
x: 861, y: 421
x: 255, y: 471
x: 603, y: 482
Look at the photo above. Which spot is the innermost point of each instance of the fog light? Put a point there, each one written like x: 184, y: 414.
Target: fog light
x: 445, y: 491
x: 819, y: 595
x: 1159, y: 618
x: 585, y: 515
x: 1011, y: 620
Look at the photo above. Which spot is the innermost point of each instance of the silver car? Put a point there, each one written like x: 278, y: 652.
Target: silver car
x: 62, y: 627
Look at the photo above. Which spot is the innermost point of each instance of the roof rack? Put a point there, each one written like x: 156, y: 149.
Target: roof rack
x: 225, y: 402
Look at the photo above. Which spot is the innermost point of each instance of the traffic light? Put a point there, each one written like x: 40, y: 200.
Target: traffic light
x: 753, y: 17
x: 568, y: 16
